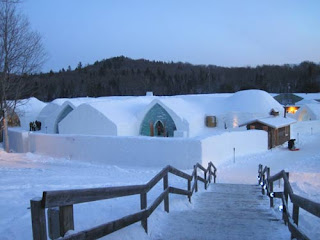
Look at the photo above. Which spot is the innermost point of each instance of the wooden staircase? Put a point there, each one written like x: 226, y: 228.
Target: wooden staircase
x: 225, y: 211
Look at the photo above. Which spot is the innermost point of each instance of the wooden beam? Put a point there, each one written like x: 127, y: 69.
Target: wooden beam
x: 165, y: 187
x: 70, y: 197
x: 38, y: 217
x: 66, y: 219
x: 143, y: 206
x: 179, y: 173
x: 105, y: 229
x: 306, y: 204
x: 53, y: 223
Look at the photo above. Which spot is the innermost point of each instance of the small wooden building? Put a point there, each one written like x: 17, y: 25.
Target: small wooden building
x: 278, y: 129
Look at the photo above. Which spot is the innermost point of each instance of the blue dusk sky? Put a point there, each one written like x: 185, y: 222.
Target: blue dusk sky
x: 224, y: 33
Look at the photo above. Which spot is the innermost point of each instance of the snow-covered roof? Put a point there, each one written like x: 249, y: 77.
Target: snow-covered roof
x: 309, y: 96
x: 187, y: 111
x: 308, y: 112
x: 122, y: 112
x: 252, y: 101
x: 306, y: 101
x: 274, y: 122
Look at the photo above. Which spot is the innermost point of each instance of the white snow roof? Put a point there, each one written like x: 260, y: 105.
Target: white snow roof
x: 309, y: 96
x: 252, y: 101
x: 275, y: 122
x: 306, y: 101
x: 313, y: 109
x: 121, y: 110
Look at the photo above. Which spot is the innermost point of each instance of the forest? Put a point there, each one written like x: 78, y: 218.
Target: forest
x: 124, y: 76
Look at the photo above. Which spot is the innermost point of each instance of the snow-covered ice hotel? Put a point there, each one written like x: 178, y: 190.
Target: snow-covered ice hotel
x: 176, y: 116
x: 209, y: 123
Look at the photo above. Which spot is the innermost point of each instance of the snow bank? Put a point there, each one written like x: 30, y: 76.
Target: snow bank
x: 228, y: 145
x: 140, y: 151
x: 123, y: 151
x: 19, y: 140
x: 306, y: 127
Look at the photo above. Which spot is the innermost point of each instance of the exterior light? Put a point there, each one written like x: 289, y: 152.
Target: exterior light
x: 271, y: 194
x: 280, y: 208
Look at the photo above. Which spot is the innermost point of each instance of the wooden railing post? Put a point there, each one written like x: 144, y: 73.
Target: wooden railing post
x: 66, y: 219
x: 260, y: 174
x: 263, y: 182
x: 286, y: 193
x: 143, y: 206
x: 38, y: 217
x: 166, y: 199
x: 271, y: 192
x: 195, y: 178
x: 189, y: 189
x: 53, y: 222
x: 205, y: 178
x: 295, y: 214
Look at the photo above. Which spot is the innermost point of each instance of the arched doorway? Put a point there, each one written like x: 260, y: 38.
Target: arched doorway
x: 159, y: 129
x: 157, y: 122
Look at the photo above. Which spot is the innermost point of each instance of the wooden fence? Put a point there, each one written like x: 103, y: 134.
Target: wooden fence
x: 60, y: 204
x: 266, y: 181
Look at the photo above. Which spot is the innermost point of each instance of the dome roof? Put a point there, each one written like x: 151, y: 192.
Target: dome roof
x: 253, y: 101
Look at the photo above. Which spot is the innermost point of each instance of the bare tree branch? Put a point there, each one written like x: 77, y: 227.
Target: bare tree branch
x: 21, y: 53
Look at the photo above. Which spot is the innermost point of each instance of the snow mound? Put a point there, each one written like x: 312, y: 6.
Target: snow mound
x: 253, y: 101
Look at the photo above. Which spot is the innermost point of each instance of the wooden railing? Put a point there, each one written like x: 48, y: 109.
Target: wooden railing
x: 60, y: 204
x: 266, y: 182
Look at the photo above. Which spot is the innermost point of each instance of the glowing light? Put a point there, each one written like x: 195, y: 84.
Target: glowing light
x: 280, y: 208
x: 235, y: 122
x: 292, y: 109
x: 271, y: 194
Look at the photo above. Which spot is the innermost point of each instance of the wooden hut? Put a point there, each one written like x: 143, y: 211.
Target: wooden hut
x: 278, y: 129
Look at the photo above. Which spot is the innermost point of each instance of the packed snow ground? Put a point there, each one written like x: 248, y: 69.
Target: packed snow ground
x: 25, y: 176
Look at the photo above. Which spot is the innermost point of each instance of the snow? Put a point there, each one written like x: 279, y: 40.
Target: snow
x: 308, y: 112
x: 25, y: 176
x: 139, y: 151
x: 28, y: 110
x: 126, y: 113
x: 275, y: 122
x: 253, y: 101
x: 309, y: 96
x: 305, y: 101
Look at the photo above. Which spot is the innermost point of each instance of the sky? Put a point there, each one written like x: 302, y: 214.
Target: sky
x: 224, y: 33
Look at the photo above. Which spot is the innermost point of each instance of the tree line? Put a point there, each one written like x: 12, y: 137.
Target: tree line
x: 125, y: 76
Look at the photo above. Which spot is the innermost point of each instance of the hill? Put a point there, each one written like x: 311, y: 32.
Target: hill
x: 125, y: 76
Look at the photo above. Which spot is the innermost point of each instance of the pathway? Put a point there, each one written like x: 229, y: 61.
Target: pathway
x: 225, y: 211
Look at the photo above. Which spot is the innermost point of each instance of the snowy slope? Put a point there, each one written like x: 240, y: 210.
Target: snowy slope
x: 25, y: 176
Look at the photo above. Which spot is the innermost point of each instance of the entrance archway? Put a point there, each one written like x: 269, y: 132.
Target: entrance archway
x: 157, y: 117
x: 159, y: 129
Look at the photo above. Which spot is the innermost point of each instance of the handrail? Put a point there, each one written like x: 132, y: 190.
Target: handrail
x: 266, y: 183
x: 61, y: 203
